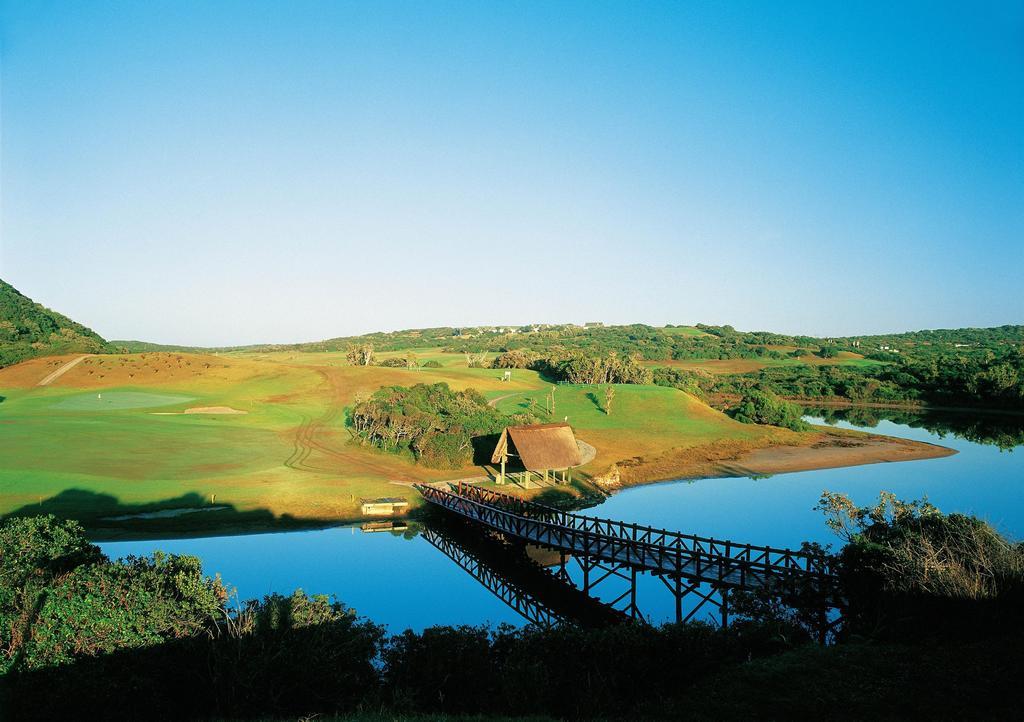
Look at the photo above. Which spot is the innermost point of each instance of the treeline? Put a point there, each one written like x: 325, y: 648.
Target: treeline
x: 576, y: 367
x: 430, y: 421
x: 990, y: 380
x: 647, y: 342
x: 932, y: 626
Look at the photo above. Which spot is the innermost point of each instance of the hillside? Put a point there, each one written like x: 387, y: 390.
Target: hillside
x: 29, y: 329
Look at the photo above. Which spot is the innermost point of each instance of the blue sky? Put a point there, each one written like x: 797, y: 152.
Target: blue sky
x: 216, y: 173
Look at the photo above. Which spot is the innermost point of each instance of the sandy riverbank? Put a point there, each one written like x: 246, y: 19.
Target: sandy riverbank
x: 820, y: 449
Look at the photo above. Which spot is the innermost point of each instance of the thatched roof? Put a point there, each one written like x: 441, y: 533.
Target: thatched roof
x: 539, y: 446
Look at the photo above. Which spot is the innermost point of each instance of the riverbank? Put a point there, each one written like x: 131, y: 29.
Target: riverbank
x: 823, y: 448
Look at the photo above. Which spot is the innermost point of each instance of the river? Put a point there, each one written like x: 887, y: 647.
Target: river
x: 401, y: 580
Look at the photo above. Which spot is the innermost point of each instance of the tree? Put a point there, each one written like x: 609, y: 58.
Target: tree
x: 361, y: 355
x: 609, y: 397
x: 759, y: 407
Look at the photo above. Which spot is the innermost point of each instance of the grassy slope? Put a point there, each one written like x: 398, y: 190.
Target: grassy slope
x: 644, y: 420
x: 66, y: 450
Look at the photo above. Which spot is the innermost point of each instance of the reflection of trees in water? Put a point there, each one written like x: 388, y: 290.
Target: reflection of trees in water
x: 1003, y: 430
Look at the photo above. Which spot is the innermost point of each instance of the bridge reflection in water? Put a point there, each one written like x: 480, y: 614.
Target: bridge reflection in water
x: 509, y: 572
x: 699, y: 572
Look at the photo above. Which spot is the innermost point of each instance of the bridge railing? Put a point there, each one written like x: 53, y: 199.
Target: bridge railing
x: 646, y: 547
x: 776, y: 557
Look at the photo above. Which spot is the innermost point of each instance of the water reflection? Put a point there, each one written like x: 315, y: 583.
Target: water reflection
x: 533, y: 582
x: 1004, y: 430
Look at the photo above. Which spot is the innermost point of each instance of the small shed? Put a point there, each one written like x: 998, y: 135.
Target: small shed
x: 539, y: 449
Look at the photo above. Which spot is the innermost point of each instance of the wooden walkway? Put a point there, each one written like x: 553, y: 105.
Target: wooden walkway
x: 725, y: 564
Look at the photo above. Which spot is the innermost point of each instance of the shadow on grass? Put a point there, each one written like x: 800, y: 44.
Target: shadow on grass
x: 106, y: 518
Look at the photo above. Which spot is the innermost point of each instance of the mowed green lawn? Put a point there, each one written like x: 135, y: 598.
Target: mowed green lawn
x: 643, y: 419
x: 130, y: 443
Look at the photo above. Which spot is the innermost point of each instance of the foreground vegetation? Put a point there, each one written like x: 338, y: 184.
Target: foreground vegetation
x: 933, y: 628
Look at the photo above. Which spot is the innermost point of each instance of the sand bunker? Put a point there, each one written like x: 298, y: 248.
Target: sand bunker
x: 201, y: 410
x: 213, y: 410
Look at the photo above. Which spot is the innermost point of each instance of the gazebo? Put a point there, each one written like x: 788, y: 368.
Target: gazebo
x: 539, y: 448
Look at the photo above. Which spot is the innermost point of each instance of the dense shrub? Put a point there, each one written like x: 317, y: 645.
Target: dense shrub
x: 153, y: 638
x: 688, y: 381
x: 106, y: 606
x: 33, y: 552
x: 908, y: 565
x: 514, y: 359
x: 758, y: 407
x: 433, y: 422
x: 394, y: 362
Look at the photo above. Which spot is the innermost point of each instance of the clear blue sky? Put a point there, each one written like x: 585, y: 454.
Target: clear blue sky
x: 217, y: 173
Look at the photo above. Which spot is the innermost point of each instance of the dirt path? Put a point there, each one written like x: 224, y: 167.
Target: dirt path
x: 494, y: 402
x: 63, y: 370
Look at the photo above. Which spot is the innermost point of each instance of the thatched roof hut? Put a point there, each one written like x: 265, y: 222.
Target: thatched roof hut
x: 539, y: 447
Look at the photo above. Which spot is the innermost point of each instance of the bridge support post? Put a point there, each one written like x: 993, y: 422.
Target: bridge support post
x: 586, y: 565
x: 633, y: 609
x: 724, y: 606
x: 563, y: 573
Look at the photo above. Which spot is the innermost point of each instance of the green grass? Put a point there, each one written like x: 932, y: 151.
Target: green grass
x: 643, y: 419
x: 116, y: 400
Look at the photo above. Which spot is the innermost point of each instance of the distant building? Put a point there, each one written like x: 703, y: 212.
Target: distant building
x: 538, y: 449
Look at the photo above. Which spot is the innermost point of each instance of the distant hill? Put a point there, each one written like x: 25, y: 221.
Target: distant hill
x: 30, y: 329
x: 148, y: 347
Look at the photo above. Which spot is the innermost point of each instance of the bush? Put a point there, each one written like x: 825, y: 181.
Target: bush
x: 106, y: 606
x: 907, y: 564
x: 515, y: 359
x: 431, y: 364
x: 396, y: 362
x: 433, y: 422
x: 687, y: 381
x: 759, y: 407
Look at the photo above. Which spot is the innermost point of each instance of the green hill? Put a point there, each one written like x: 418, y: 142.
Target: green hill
x: 30, y: 329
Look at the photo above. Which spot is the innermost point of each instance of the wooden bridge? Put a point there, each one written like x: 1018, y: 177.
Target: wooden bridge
x: 605, y: 548
x: 508, y: 572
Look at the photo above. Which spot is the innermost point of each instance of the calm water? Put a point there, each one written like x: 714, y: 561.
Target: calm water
x: 406, y: 582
